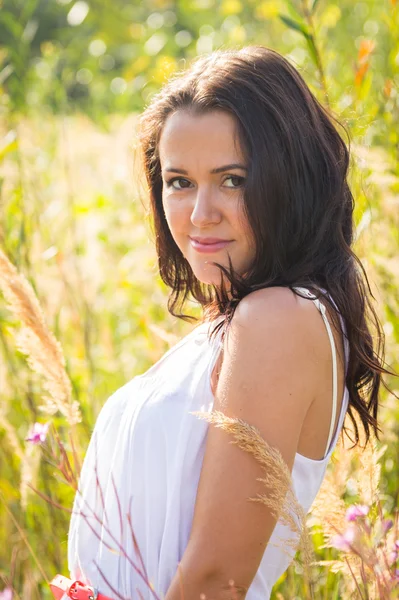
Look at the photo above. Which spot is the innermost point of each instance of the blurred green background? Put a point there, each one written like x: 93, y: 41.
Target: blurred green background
x: 74, y: 75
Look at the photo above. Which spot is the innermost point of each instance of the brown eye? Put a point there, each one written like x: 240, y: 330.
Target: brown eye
x: 237, y: 181
x: 171, y: 181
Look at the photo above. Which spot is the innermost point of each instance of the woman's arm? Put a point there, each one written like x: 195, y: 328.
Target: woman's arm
x: 267, y: 379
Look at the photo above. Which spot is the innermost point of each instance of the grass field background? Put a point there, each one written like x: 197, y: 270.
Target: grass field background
x: 74, y: 220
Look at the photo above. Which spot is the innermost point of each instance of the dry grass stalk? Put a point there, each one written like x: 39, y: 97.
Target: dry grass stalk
x: 362, y: 467
x: 328, y: 508
x: 11, y: 434
x: 369, y: 476
x: 44, y: 352
x: 23, y: 536
x: 350, y: 568
x: 29, y: 470
x: 281, y: 498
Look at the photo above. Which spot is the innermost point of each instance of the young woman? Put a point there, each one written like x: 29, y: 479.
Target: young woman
x: 253, y: 218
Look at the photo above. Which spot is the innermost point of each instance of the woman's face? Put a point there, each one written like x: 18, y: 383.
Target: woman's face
x: 203, y: 176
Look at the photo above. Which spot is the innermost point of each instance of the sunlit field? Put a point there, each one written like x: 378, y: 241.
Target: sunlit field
x: 75, y: 223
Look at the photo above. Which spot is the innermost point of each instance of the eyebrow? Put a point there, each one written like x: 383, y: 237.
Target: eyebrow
x: 213, y: 171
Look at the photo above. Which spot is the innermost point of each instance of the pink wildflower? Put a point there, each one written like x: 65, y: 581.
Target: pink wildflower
x: 355, y: 511
x: 37, y: 433
x: 344, y: 541
x: 386, y: 525
x: 394, y: 555
x: 6, y: 594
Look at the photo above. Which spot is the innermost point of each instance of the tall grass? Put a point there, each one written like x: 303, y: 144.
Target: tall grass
x: 74, y: 227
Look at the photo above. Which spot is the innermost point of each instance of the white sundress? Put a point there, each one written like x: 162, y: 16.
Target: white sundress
x: 149, y: 448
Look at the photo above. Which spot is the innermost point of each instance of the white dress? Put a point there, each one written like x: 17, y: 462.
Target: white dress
x: 147, y: 450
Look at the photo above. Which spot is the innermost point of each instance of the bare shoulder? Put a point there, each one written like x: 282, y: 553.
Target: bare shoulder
x: 278, y: 342
x: 260, y: 301
x: 268, y: 371
x: 278, y: 298
x: 277, y: 321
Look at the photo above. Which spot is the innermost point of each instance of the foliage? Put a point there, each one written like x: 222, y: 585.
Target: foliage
x: 73, y: 75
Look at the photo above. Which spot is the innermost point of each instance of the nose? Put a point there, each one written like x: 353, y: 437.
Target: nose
x: 206, y: 210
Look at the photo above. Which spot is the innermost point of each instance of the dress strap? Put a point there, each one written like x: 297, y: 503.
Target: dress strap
x: 322, y: 310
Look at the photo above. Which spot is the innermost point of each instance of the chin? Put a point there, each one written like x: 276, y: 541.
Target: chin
x: 210, y: 276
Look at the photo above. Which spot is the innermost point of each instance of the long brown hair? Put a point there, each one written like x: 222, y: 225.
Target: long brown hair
x: 296, y: 199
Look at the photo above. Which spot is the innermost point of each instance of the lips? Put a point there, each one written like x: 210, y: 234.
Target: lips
x: 209, y: 240
x: 209, y: 248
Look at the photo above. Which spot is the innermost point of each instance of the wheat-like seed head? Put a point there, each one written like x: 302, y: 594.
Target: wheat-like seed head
x: 44, y: 352
x: 281, y: 498
x: 350, y: 568
x: 360, y: 465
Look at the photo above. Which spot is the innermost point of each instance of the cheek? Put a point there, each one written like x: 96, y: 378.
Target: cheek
x: 173, y: 215
x: 177, y: 218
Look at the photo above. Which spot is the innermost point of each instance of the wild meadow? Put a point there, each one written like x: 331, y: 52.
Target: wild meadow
x: 82, y: 307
